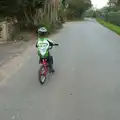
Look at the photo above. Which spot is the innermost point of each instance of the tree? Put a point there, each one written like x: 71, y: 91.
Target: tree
x: 31, y: 11
x: 115, y: 4
x: 90, y: 13
x: 8, y: 7
x: 78, y: 7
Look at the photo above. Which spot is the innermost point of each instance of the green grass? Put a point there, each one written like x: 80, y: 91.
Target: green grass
x: 110, y: 26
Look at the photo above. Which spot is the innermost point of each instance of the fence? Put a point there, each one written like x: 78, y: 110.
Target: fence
x: 7, y: 29
x: 3, y: 32
x: 112, y: 17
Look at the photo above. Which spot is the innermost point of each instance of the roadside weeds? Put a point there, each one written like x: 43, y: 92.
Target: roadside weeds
x: 110, y: 26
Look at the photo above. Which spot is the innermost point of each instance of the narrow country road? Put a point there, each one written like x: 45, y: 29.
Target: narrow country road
x: 86, y: 85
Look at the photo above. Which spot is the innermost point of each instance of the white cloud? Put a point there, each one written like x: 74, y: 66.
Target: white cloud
x: 99, y: 3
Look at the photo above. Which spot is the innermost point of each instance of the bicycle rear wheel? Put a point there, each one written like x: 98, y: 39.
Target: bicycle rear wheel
x: 41, y: 74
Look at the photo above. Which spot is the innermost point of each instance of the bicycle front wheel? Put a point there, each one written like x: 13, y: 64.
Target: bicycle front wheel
x: 41, y: 74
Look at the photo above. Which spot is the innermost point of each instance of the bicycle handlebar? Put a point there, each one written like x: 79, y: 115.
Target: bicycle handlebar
x: 50, y: 47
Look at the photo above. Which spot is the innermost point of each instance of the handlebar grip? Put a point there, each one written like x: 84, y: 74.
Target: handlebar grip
x: 56, y: 44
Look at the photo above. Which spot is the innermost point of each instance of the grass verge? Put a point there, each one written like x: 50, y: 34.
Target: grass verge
x: 110, y: 26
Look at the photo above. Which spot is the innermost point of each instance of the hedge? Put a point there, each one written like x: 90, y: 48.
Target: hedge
x: 113, y: 17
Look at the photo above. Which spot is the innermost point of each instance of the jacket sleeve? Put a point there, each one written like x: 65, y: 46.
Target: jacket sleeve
x: 37, y: 44
x: 50, y: 42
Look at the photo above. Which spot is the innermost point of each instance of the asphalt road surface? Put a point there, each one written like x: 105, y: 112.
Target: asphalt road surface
x: 85, y: 86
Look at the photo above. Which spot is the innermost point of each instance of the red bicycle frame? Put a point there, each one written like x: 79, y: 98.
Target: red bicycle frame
x: 45, y: 66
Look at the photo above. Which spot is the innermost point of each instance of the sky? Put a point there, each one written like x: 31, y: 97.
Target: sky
x: 99, y: 3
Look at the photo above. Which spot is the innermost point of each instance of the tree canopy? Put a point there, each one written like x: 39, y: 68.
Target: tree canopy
x: 114, y: 2
x: 33, y: 11
x: 77, y: 7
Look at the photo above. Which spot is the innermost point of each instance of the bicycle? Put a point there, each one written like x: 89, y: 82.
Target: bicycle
x: 45, y: 69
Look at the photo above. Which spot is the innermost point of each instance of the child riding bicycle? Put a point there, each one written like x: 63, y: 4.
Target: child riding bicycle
x: 43, y: 44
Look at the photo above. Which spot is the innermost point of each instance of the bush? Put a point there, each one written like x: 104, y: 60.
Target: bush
x: 2, y: 19
x: 112, y: 27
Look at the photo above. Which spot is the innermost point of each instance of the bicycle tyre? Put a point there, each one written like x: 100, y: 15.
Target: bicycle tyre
x: 40, y: 74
